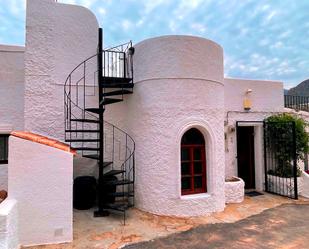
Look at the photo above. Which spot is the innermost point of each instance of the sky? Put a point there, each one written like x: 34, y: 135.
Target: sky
x: 262, y: 39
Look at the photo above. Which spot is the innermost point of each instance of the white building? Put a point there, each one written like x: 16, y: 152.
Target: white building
x: 182, y: 115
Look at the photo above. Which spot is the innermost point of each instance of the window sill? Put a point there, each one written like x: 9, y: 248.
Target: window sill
x: 195, y: 196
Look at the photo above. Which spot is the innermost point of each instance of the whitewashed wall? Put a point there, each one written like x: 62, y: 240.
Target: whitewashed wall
x: 12, y: 80
x: 178, y: 85
x: 41, y: 180
x: 305, y: 116
x: 58, y: 38
x: 267, y: 99
x: 266, y: 96
x: 9, y: 224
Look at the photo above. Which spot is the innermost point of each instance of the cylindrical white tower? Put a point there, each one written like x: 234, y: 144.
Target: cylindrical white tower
x: 178, y: 85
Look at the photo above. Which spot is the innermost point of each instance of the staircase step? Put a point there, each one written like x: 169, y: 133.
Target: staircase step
x: 84, y: 140
x: 118, y: 92
x: 115, y: 80
x: 95, y: 110
x: 107, y: 101
x: 118, y: 206
x: 118, y: 182
x: 86, y: 131
x: 85, y: 120
x: 114, y: 172
x: 96, y: 157
x: 115, y: 85
x: 86, y: 148
x: 121, y: 194
x: 92, y: 156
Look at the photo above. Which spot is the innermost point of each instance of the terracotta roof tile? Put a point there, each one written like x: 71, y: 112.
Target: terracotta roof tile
x: 43, y: 140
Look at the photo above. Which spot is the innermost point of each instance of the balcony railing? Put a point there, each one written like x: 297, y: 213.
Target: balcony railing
x: 298, y: 103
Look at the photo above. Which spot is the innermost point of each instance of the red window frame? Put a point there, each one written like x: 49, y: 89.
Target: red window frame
x: 192, y: 174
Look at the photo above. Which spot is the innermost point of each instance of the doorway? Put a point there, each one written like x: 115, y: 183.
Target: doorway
x: 246, y: 155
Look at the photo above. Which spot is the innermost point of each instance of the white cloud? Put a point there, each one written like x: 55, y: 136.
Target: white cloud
x: 253, y: 69
x: 199, y: 27
x: 87, y: 3
x: 102, y: 11
x: 140, y: 22
x: 271, y: 15
x: 16, y: 7
x: 150, y: 5
x: 264, y: 42
x: 255, y: 56
x: 172, y: 26
x: 285, y: 34
x: 265, y: 7
x: 277, y: 45
x: 126, y: 25
x: 257, y: 35
x: 186, y: 7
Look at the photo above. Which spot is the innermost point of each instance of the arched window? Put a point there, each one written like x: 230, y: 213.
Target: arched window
x: 193, y: 163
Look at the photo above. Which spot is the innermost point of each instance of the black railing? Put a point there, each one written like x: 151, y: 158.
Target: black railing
x: 117, y: 61
x: 298, y: 103
x: 280, y: 161
x: 83, y: 82
x: 81, y: 92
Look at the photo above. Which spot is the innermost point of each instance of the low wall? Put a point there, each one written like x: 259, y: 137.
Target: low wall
x: 234, y: 190
x: 305, y: 185
x: 40, y: 178
x: 8, y: 224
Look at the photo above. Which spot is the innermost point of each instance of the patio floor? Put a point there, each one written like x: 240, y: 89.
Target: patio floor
x: 110, y: 233
x: 281, y: 227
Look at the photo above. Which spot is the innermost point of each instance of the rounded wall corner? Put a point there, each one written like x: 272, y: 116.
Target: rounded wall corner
x: 179, y: 57
x: 78, y: 8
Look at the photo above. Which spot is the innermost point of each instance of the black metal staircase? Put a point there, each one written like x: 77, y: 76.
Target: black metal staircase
x: 107, y: 75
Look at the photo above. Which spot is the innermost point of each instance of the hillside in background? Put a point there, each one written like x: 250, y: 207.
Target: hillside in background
x: 301, y: 89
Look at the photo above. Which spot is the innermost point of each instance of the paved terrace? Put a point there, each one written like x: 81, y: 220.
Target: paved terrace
x: 265, y: 221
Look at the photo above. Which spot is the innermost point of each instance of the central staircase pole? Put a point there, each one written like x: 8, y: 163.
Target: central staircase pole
x: 101, y: 212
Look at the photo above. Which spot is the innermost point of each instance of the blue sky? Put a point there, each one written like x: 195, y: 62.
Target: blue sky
x: 261, y: 39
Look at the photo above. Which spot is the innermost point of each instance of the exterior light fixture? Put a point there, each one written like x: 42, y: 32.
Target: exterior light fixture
x: 247, y: 102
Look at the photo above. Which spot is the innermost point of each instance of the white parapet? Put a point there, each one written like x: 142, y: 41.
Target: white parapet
x: 40, y: 178
x: 305, y: 185
x: 9, y: 224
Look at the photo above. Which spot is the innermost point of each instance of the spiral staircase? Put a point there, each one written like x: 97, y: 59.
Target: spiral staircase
x: 101, y: 80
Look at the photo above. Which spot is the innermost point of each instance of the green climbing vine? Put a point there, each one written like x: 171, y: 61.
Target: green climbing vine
x: 280, y: 140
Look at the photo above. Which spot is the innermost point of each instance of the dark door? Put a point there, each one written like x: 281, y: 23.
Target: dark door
x: 245, y: 155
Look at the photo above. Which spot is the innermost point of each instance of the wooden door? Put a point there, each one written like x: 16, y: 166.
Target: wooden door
x: 245, y: 155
